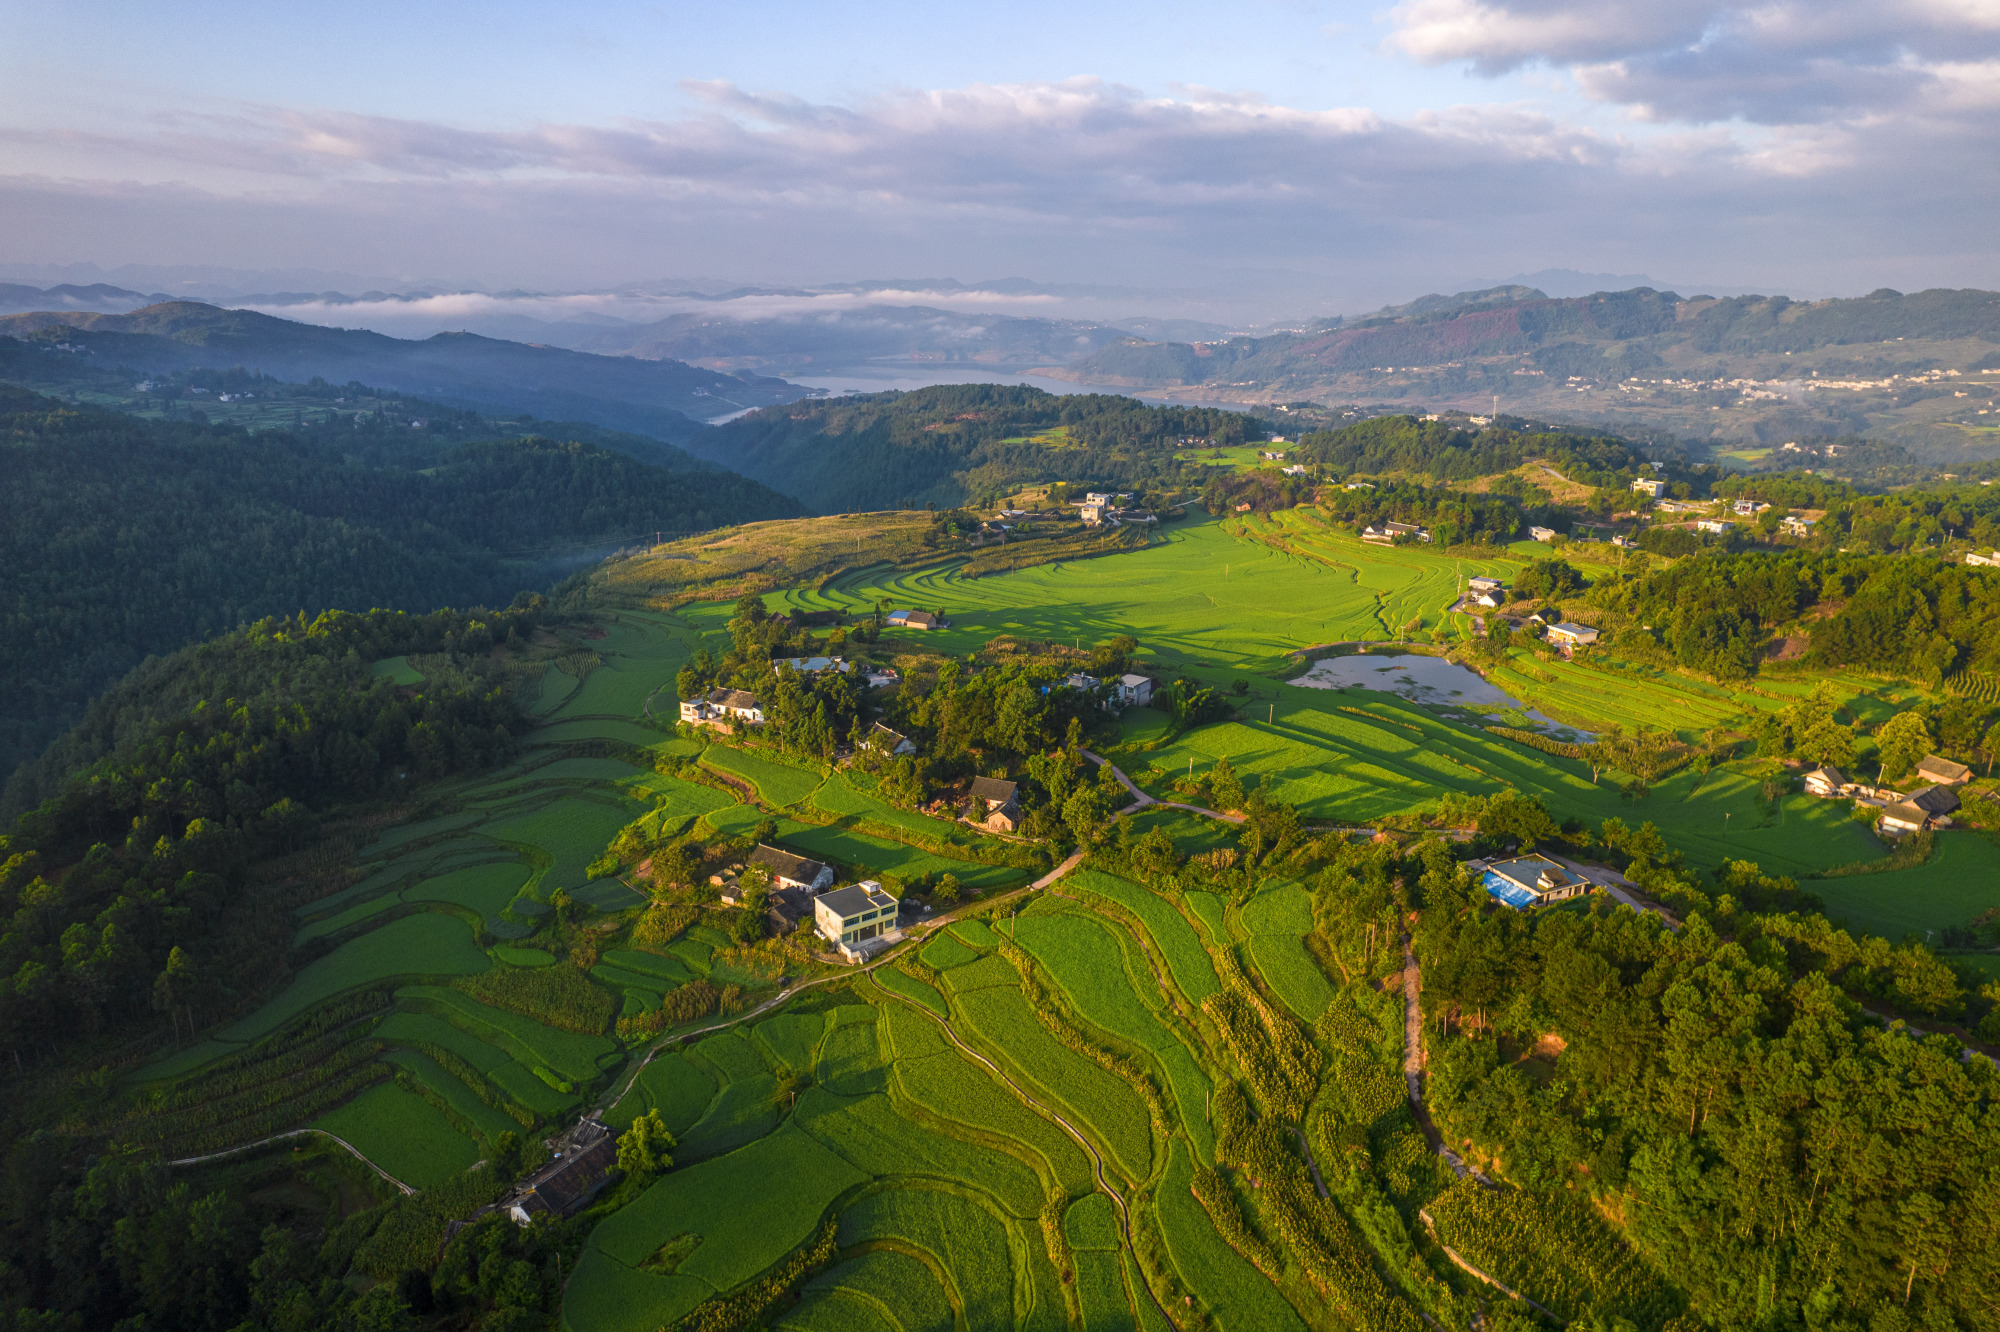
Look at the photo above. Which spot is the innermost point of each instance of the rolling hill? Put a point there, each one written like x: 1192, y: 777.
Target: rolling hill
x: 1914, y: 368
x: 658, y: 397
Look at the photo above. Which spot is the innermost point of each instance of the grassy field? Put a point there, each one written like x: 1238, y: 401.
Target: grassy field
x: 1961, y: 879
x: 403, y: 1133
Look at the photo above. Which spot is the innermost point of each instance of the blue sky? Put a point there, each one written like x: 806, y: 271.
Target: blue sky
x: 1337, y: 150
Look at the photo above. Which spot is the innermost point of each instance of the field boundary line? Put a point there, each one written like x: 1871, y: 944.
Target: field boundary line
x: 1096, y: 1160
x: 358, y: 1154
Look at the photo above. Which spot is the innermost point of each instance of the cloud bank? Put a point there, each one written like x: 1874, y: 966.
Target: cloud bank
x: 1835, y: 146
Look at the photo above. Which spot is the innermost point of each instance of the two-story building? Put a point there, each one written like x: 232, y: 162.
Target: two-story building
x: 858, y: 920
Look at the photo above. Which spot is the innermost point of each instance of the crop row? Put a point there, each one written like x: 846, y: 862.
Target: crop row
x: 751, y: 1304
x: 686, y: 1003
x: 1283, y: 1066
x: 314, y: 1102
x: 261, y: 1095
x: 1212, y: 1191
x: 1553, y: 1249
x: 560, y: 996
x: 480, y: 1087
x: 1536, y: 740
x: 1318, y: 1237
x: 410, y: 1236
x: 1048, y: 1012
x: 244, y: 1074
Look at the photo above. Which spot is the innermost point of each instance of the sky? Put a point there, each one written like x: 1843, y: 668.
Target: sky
x: 1303, y: 154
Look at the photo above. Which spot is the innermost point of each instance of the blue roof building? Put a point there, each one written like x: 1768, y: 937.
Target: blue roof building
x: 1530, y: 881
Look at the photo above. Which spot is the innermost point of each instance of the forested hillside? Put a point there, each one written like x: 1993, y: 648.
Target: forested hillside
x: 1752, y: 368
x: 127, y: 538
x: 955, y: 442
x: 661, y: 397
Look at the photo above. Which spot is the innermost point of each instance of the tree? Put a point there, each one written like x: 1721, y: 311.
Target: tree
x: 647, y: 1147
x: 174, y: 991
x: 1224, y: 783
x: 1903, y: 739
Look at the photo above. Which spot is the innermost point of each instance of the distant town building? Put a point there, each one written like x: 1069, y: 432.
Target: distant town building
x: 1793, y: 524
x: 1991, y: 558
x: 1543, y: 533
x: 1746, y: 508
x: 1093, y: 514
x: 1651, y: 487
x: 1716, y: 525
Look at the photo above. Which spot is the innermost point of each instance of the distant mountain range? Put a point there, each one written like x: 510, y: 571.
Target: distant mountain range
x: 1757, y: 369
x: 665, y: 398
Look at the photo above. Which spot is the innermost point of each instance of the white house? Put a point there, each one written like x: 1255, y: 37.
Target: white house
x: 1651, y: 487
x: 1297, y: 469
x: 1565, y: 634
x: 1826, y: 782
x: 859, y: 919
x: 1747, y: 508
x: 1716, y: 525
x: 721, y: 706
x: 1093, y: 514
x: 1793, y: 524
x: 1992, y: 558
x: 816, y: 665
x: 1543, y: 533
x: 1388, y: 532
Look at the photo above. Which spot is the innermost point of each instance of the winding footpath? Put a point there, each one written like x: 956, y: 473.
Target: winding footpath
x: 294, y: 1133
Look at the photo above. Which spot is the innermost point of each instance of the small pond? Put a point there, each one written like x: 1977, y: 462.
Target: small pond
x: 1434, y: 682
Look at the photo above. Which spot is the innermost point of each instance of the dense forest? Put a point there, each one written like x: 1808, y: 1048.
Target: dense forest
x: 1908, y: 615
x: 1787, y: 1159
x: 959, y: 442
x: 128, y: 537
x: 1443, y: 451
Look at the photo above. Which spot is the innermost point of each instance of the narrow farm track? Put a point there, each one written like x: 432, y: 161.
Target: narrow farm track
x: 296, y: 1133
x: 1140, y: 800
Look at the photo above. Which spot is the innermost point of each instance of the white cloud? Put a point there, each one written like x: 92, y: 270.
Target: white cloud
x: 1781, y: 62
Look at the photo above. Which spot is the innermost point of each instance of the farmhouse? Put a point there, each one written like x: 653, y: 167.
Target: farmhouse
x: 1624, y: 542
x: 1003, y: 808
x: 1296, y: 469
x: 1748, y: 508
x: 1093, y: 514
x: 1079, y: 680
x: 1927, y: 807
x: 1530, y: 881
x: 1793, y: 524
x: 1682, y: 506
x: 1827, y: 781
x: 1271, y: 455
x: 570, y: 1181
x: 1481, y: 583
x: 856, y: 917
x: 881, y: 677
x: 1388, y: 532
x: 1543, y: 533
x: 916, y: 619
x: 1716, y: 525
x: 1991, y: 558
x: 1565, y: 634
x: 892, y: 742
x: 721, y: 706
x: 1134, y: 690
x: 1651, y: 487
x: 793, y: 871
x: 1943, y: 771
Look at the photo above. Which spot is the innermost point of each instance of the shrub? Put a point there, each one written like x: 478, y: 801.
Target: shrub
x: 561, y: 997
